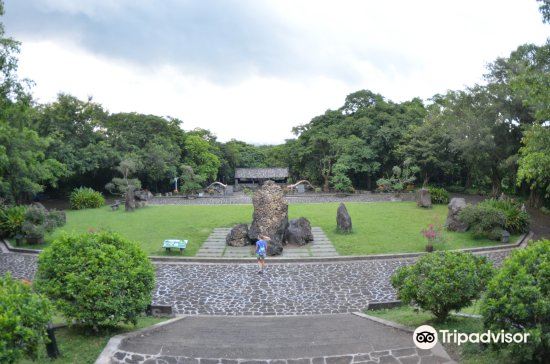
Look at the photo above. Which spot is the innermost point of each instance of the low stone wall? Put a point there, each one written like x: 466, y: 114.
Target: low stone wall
x: 290, y: 198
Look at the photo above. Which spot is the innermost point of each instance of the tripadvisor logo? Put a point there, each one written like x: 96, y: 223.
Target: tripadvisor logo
x: 426, y: 337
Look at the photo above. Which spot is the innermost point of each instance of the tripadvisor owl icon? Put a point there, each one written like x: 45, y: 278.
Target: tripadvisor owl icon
x: 425, y: 337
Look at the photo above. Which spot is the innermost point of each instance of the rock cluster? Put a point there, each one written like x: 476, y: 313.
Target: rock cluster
x: 453, y: 223
x: 270, y: 218
x: 423, y: 198
x: 343, y: 220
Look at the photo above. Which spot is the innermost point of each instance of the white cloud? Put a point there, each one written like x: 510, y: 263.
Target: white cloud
x: 400, y: 49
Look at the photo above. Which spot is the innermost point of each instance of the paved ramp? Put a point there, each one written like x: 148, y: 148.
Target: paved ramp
x: 316, y: 339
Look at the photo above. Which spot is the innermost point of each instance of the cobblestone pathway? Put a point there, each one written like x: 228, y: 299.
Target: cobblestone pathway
x: 284, y: 289
x: 215, y: 247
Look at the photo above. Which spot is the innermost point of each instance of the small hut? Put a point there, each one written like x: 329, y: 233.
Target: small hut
x: 253, y: 177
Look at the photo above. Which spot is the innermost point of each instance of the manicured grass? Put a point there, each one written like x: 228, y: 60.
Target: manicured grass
x: 79, y: 347
x: 378, y: 228
x: 469, y: 353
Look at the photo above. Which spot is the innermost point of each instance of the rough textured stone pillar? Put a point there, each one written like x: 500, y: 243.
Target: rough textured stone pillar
x: 453, y: 223
x: 343, y: 220
x: 423, y: 198
x: 270, y: 216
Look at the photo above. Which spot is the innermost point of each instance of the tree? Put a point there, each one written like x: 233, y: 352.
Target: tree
x: 190, y: 182
x: 428, y: 144
x: 200, y: 156
x: 73, y: 127
x: 24, y: 168
x: 120, y: 186
x: 544, y: 9
x: 400, y: 178
x: 534, y: 162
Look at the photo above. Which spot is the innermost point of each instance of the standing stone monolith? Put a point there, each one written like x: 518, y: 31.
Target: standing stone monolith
x: 270, y: 216
x: 423, y: 198
x: 130, y: 202
x: 453, y: 223
x: 299, y: 232
x: 238, y: 236
x: 343, y: 220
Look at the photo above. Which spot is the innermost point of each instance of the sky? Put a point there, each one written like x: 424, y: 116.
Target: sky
x: 253, y: 69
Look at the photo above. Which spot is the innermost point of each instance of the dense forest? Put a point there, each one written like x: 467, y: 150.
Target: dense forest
x: 488, y: 138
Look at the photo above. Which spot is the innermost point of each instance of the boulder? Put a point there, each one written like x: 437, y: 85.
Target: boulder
x: 299, y: 232
x: 270, y: 216
x: 130, y: 202
x: 423, y: 198
x: 343, y: 220
x: 453, y: 223
x: 238, y: 236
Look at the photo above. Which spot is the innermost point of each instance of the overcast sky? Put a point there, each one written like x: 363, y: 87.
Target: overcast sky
x: 252, y: 70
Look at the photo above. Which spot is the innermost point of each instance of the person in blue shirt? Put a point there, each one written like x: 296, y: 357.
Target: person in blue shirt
x: 261, y: 252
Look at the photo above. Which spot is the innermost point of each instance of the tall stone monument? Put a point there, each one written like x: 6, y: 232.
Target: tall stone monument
x: 270, y: 216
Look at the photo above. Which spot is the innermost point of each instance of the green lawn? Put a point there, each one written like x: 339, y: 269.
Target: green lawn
x: 468, y: 353
x: 382, y: 227
x: 78, y: 347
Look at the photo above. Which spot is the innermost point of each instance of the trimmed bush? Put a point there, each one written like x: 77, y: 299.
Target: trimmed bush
x: 439, y: 195
x: 443, y: 281
x: 516, y: 221
x: 86, y: 198
x: 518, y: 301
x: 483, y: 221
x: 24, y: 316
x: 96, y: 279
x: 11, y: 220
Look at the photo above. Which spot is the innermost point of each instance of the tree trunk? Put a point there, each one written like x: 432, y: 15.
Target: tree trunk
x: 496, y: 184
x: 535, y: 199
x: 426, y: 179
x: 325, y: 183
x: 369, y: 182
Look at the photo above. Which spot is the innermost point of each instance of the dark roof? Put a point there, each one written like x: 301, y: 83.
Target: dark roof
x: 277, y: 173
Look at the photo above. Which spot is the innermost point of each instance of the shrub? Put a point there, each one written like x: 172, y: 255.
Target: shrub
x: 32, y: 231
x: 443, y: 281
x: 36, y: 215
x: 96, y: 279
x: 11, y: 220
x: 483, y: 221
x: 86, y: 198
x: 439, y: 195
x: 24, y: 316
x: 518, y: 301
x: 516, y: 221
x: 341, y: 183
x: 55, y: 219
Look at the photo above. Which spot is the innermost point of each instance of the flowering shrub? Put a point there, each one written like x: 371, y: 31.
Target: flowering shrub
x: 434, y: 234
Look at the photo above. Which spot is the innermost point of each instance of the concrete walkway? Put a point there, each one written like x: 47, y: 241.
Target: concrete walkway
x: 215, y: 247
x: 326, y: 339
